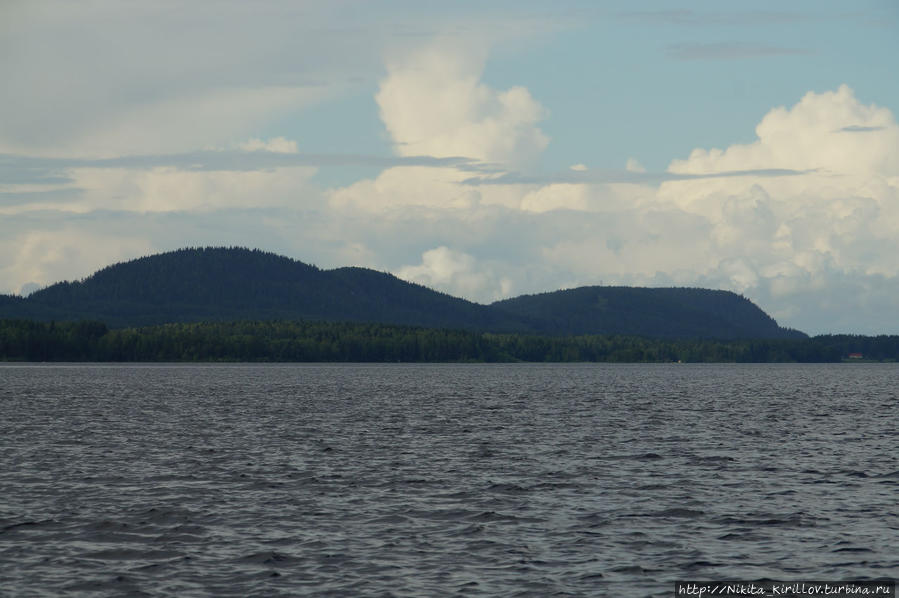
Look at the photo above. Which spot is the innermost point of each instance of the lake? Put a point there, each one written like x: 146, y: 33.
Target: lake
x: 433, y: 480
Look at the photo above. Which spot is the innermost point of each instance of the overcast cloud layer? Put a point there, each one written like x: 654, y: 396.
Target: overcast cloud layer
x: 141, y: 144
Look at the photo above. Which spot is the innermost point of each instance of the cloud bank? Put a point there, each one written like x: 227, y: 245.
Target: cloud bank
x: 804, y: 219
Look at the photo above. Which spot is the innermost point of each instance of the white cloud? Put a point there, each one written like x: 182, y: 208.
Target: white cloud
x: 634, y: 166
x: 41, y: 257
x: 812, y: 135
x: 815, y: 249
x: 278, y: 145
x: 639, y: 246
x: 801, y: 243
x: 433, y: 103
x: 107, y: 78
x: 169, y: 189
x: 561, y: 196
x: 444, y: 269
x: 211, y: 118
x: 776, y: 239
x: 406, y: 186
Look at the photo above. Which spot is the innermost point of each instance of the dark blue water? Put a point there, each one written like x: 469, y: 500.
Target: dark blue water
x: 434, y: 480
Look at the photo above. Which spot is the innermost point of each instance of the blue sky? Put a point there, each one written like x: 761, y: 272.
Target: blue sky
x: 656, y: 79
x: 484, y: 149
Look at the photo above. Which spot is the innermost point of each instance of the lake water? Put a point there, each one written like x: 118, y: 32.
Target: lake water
x: 434, y: 480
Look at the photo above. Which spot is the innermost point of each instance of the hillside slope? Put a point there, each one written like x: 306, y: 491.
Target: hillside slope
x: 655, y: 312
x: 215, y: 284
x: 241, y: 284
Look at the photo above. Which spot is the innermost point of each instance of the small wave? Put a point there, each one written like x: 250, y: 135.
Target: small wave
x: 126, y: 554
x: 445, y: 514
x: 791, y: 520
x: 648, y: 457
x: 120, y: 584
x: 24, y: 525
x: 594, y: 519
x: 492, y: 516
x: 555, y: 486
x: 679, y: 512
x: 393, y: 519
x: 507, y: 489
x: 470, y: 530
x: 692, y: 566
x: 646, y: 487
x: 634, y: 570
x: 739, y: 537
x: 714, y: 460
x: 269, y: 558
x: 165, y: 515
x: 673, y: 512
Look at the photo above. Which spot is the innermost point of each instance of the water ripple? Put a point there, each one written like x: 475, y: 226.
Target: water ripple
x: 360, y: 480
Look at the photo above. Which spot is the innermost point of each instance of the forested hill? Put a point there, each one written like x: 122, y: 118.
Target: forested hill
x: 218, y: 284
x: 652, y: 312
x: 191, y: 285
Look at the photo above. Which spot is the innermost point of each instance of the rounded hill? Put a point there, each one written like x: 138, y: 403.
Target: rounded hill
x: 218, y: 283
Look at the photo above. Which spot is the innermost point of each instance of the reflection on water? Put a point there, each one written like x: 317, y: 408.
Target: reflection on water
x: 421, y: 480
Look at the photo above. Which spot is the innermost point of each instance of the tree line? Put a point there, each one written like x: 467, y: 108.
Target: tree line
x: 313, y: 341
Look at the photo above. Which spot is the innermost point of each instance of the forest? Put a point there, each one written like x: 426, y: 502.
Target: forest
x: 315, y: 341
x: 239, y: 284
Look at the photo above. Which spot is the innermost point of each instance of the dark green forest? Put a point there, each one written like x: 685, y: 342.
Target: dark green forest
x: 307, y: 341
x: 650, y: 312
x: 238, y: 284
x: 227, y: 284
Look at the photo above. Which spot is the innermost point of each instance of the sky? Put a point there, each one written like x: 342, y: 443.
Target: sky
x: 482, y: 149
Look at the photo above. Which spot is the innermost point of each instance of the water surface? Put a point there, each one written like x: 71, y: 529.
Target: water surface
x: 432, y: 480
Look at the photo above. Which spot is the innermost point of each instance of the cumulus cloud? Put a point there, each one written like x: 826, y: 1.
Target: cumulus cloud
x: 806, y: 137
x: 810, y: 247
x: 645, y: 245
x: 445, y: 269
x: 39, y: 257
x: 801, y: 243
x: 561, y: 196
x: 111, y: 78
x: 804, y: 220
x: 433, y: 103
x: 408, y: 186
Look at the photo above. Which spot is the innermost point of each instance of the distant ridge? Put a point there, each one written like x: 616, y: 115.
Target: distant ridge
x: 217, y: 283
x: 651, y: 312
